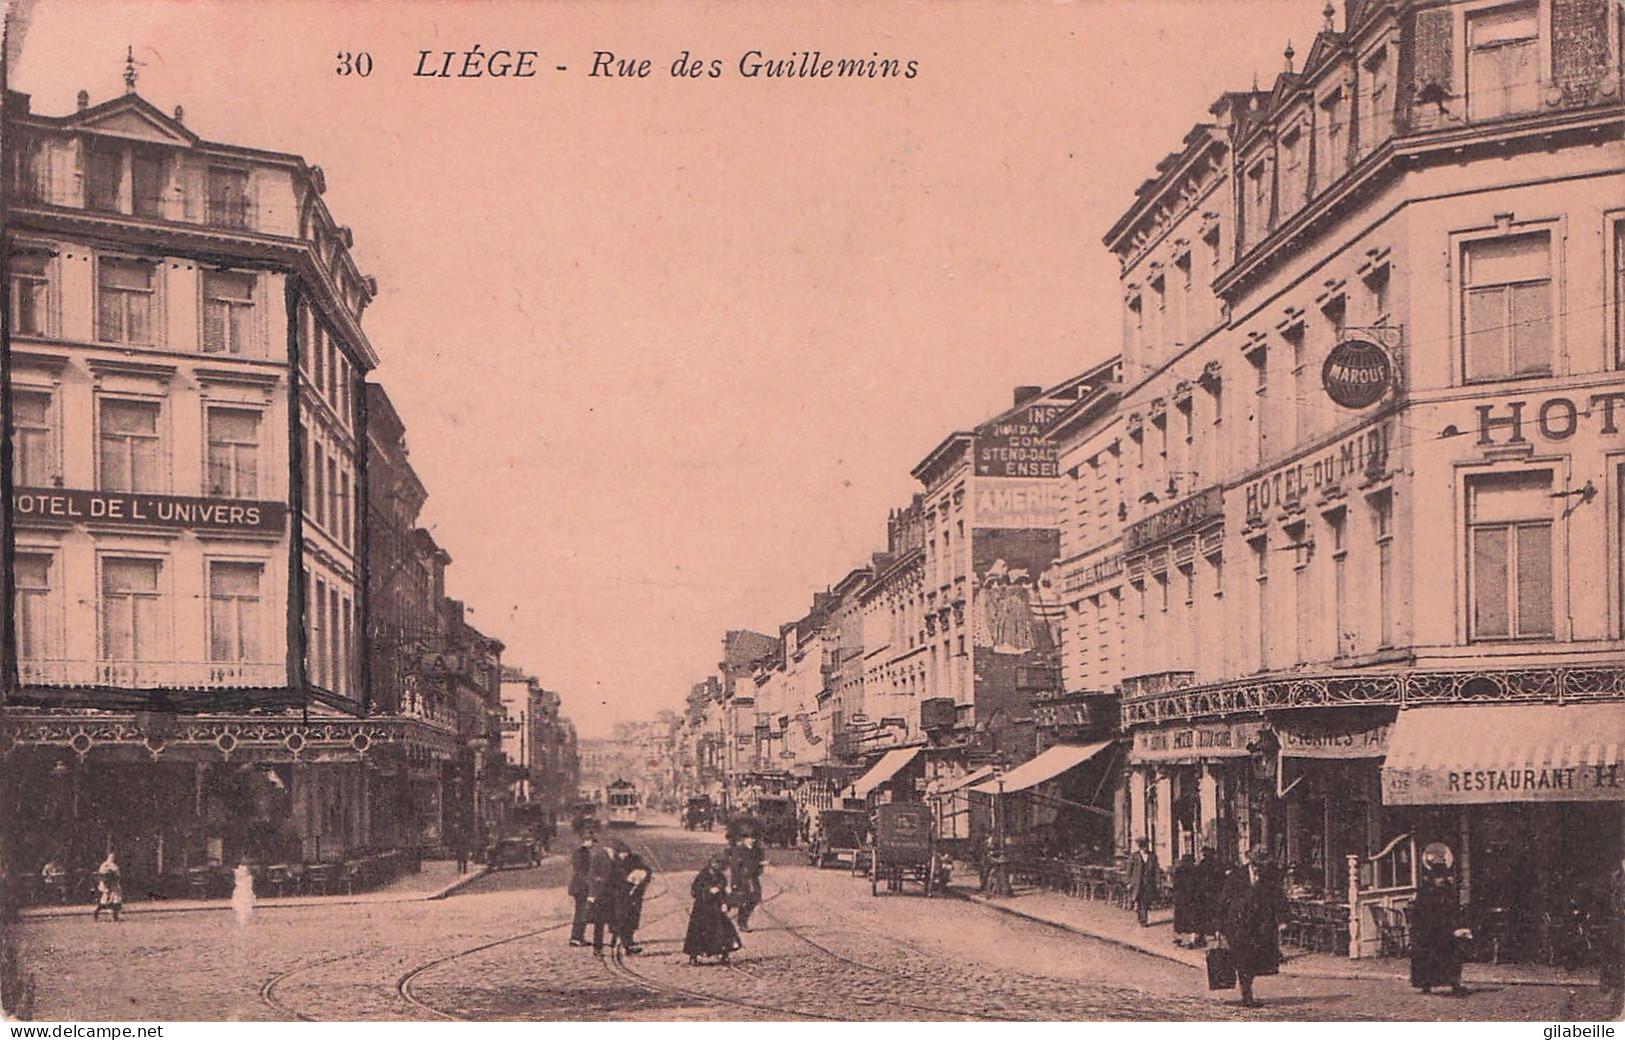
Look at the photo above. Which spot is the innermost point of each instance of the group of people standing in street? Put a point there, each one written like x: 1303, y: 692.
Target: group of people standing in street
x: 607, y: 883
x: 730, y: 878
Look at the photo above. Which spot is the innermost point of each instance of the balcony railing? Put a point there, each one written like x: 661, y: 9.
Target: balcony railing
x: 153, y: 674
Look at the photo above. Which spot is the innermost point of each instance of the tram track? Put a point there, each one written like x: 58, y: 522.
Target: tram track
x: 618, y: 966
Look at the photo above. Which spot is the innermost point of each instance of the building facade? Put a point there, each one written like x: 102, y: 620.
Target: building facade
x: 1373, y: 539
x: 187, y: 495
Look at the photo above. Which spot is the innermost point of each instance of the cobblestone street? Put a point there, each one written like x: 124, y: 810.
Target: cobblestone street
x: 821, y: 948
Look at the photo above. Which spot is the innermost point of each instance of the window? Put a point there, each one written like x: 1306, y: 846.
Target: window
x: 1334, y: 142
x: 1379, y: 73
x: 130, y: 445
x: 30, y: 294
x: 1503, y: 62
x: 36, y: 629
x: 228, y: 313
x: 124, y: 301
x: 103, y: 177
x: 1377, y: 283
x: 317, y: 507
x: 1336, y: 526
x: 235, y: 623
x: 234, y: 448
x: 1261, y: 565
x: 147, y: 184
x: 1294, y: 170
x: 1261, y: 373
x: 134, y: 627
x: 34, y: 439
x: 1507, y: 307
x: 1382, y: 525
x: 1509, y: 529
x: 1258, y: 204
x: 1303, y: 591
x: 330, y: 518
x: 1619, y: 294
x: 228, y: 197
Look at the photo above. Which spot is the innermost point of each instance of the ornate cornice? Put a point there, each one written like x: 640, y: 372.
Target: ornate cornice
x: 1404, y: 687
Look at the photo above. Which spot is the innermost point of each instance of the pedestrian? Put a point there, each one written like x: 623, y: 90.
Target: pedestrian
x: 460, y: 844
x: 1436, y: 929
x: 1250, y: 920
x: 109, y: 889
x: 628, y: 881
x: 580, y: 868
x: 242, y: 892
x: 710, y: 932
x: 1611, y: 978
x: 1209, y: 886
x: 601, y: 903
x: 746, y: 858
x: 984, y: 863
x: 1187, y: 882
x: 1143, y: 874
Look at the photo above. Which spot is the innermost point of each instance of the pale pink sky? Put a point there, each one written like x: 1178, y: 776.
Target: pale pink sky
x: 668, y: 349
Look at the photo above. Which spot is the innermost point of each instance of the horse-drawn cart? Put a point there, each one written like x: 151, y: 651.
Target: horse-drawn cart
x: 904, y: 848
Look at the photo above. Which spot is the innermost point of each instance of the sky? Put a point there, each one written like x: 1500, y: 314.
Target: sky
x: 668, y: 348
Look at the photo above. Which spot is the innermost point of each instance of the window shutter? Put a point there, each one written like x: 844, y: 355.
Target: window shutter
x: 214, y: 325
x: 1579, y: 42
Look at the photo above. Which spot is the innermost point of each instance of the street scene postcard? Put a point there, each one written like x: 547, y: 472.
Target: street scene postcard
x: 642, y: 511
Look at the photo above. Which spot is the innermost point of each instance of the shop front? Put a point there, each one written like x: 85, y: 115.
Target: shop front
x: 1198, y: 785
x: 1330, y: 787
x: 1530, y: 799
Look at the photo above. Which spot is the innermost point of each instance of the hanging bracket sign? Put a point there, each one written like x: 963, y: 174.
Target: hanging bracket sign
x: 1357, y: 373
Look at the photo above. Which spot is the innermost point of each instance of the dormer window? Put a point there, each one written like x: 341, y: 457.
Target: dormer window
x: 1503, y: 61
x: 147, y: 184
x: 104, y: 174
x: 1333, y: 137
x: 228, y: 204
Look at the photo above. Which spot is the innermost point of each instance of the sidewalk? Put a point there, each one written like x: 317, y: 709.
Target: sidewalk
x: 437, y: 879
x: 1108, y: 923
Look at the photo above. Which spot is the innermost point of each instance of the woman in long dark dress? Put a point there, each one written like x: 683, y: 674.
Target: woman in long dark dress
x: 1435, y: 924
x: 711, y: 933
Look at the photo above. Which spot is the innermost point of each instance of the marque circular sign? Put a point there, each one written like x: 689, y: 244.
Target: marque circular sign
x: 1357, y: 373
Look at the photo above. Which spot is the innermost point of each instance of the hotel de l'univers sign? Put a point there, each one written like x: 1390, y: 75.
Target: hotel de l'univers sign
x: 137, y: 509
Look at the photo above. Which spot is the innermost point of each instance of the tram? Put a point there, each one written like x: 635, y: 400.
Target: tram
x: 622, y: 803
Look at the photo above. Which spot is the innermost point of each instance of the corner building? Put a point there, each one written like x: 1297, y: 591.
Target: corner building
x: 186, y: 671
x: 1360, y: 624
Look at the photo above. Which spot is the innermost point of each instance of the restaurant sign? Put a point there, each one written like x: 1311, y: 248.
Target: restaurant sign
x: 73, y: 505
x: 1333, y: 740
x: 1193, y: 742
x: 1538, y: 782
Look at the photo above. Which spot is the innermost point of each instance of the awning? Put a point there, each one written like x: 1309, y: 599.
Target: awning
x: 1483, y: 753
x: 950, y: 786
x: 883, y: 770
x: 1047, y: 766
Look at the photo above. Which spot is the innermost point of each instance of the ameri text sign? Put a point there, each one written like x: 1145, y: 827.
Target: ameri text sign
x: 73, y: 505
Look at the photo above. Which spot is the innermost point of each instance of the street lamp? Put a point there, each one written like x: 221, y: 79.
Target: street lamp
x: 1000, y: 882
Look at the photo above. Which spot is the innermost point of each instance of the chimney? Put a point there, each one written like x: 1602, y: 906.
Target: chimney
x: 1024, y: 394
x: 84, y: 100
x: 180, y: 114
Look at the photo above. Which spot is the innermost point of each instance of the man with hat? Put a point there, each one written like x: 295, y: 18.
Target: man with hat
x: 1250, y: 920
x: 1143, y: 872
x: 589, y: 870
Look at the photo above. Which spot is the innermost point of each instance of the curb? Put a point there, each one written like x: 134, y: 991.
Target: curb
x: 277, y: 903
x: 1286, y: 969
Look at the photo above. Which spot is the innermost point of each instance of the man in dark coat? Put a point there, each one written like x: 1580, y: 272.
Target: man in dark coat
x: 1209, y: 886
x: 580, y: 887
x: 1187, y: 900
x: 1143, y: 872
x: 1435, y: 922
x: 628, y: 880
x: 745, y: 860
x: 1250, y: 920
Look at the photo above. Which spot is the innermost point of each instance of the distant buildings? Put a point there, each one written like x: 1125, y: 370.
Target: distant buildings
x: 1330, y: 559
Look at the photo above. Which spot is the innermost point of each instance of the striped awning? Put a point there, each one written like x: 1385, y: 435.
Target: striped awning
x: 941, y: 787
x: 1488, y: 753
x: 1046, y: 766
x: 883, y: 770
